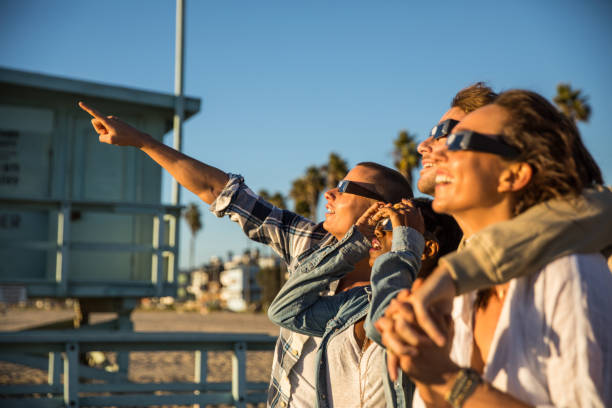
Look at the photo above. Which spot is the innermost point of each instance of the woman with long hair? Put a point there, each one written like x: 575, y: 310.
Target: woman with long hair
x: 539, y: 340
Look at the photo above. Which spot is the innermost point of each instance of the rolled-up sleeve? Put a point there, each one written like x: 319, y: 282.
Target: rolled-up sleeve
x: 287, y: 233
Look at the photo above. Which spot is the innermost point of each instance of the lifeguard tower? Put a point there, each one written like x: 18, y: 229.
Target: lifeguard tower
x: 78, y: 218
x: 84, y: 220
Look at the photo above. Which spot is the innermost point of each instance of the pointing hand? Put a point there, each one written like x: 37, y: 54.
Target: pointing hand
x: 113, y: 130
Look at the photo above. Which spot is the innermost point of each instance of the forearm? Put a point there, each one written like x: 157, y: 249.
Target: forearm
x: 201, y: 179
x: 299, y: 304
x: 392, y: 272
x: 533, y: 239
x: 484, y: 395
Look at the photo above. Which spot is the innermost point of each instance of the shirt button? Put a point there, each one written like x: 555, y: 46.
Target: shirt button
x: 295, y: 352
x: 283, y: 404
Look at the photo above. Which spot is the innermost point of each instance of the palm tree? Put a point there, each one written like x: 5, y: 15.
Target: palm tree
x: 315, y: 183
x: 276, y: 199
x: 572, y: 104
x: 193, y: 218
x: 405, y: 155
x: 335, y: 170
x: 299, y: 196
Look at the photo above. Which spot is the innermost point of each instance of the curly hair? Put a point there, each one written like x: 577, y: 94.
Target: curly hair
x: 551, y: 144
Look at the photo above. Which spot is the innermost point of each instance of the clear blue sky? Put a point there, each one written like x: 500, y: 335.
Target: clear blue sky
x: 285, y: 83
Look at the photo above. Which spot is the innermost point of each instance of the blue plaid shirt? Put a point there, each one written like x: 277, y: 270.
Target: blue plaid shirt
x: 293, y: 238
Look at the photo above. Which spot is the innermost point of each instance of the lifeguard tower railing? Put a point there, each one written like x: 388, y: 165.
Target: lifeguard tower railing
x: 65, y: 387
x: 59, y: 283
x: 71, y: 383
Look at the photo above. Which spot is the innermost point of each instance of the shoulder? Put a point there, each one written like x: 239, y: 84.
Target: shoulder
x: 589, y: 267
x: 576, y: 283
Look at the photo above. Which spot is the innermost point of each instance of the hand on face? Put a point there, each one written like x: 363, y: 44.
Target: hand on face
x: 113, y: 130
x: 401, y: 214
x: 364, y: 224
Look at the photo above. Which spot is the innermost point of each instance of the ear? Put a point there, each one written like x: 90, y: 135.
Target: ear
x: 431, y: 249
x: 515, y: 177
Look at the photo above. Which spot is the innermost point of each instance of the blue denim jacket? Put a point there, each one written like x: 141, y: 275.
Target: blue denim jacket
x: 301, y: 307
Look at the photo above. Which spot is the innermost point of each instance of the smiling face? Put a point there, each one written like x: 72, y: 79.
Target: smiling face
x: 381, y: 243
x: 344, y: 209
x: 469, y: 185
x: 427, y: 148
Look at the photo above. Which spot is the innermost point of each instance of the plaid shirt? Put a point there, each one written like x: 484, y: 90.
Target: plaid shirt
x: 293, y: 238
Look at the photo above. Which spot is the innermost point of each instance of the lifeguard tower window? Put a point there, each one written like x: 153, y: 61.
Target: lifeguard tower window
x: 79, y: 218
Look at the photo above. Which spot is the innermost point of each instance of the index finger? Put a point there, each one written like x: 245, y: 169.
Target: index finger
x: 93, y: 112
x: 383, y: 212
x: 365, y: 217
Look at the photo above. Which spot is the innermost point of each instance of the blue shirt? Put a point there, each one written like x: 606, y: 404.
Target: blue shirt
x: 302, y: 306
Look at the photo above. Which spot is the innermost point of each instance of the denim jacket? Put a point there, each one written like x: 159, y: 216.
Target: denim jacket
x: 301, y: 307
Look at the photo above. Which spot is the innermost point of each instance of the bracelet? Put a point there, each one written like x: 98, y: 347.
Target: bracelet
x: 465, y: 384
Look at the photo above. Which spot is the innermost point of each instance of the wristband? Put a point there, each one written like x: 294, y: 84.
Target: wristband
x: 465, y: 384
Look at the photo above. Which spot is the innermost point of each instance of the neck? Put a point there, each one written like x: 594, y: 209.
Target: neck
x: 360, y: 276
x: 474, y: 220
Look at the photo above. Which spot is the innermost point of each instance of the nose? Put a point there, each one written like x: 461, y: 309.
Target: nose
x: 425, y: 146
x: 330, y: 194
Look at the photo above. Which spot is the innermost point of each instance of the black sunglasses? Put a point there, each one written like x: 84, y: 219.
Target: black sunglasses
x: 443, y: 129
x: 346, y: 186
x: 468, y: 140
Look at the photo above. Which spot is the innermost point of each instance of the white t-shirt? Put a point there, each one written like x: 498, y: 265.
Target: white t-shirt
x: 354, y: 377
x: 553, y: 342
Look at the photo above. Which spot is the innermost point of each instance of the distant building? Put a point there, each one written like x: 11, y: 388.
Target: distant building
x: 240, y: 287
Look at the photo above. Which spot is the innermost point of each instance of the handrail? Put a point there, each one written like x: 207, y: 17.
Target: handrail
x: 64, y: 244
x: 73, y: 393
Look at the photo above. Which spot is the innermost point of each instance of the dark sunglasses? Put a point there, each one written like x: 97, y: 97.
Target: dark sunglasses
x: 346, y: 186
x: 443, y: 129
x: 468, y: 140
x: 384, y: 225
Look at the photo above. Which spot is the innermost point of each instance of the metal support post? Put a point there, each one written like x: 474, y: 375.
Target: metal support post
x: 71, y: 375
x: 55, y: 369
x: 63, y: 241
x: 124, y: 325
x: 201, y: 372
x: 157, y: 264
x: 239, y: 375
x: 179, y: 107
x: 172, y: 254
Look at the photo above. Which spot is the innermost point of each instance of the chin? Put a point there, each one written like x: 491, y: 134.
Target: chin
x: 427, y: 183
x: 325, y: 225
x: 439, y: 206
